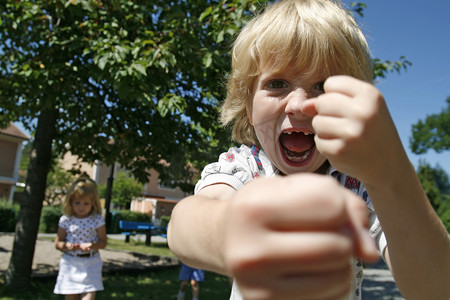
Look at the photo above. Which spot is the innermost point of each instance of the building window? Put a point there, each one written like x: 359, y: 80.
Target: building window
x: 164, y: 186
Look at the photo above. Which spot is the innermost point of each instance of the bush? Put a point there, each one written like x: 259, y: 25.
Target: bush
x: 125, y: 188
x: 8, y: 216
x: 125, y: 215
x: 165, y: 221
x: 49, y: 218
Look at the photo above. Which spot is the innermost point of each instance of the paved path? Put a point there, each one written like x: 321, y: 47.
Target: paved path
x: 378, y: 283
x: 46, y: 257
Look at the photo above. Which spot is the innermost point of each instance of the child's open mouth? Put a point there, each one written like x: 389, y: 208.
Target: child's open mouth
x: 297, y: 146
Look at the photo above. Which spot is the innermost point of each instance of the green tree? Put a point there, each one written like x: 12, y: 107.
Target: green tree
x: 436, y: 183
x: 433, y: 133
x: 25, y: 160
x: 58, y: 183
x: 58, y: 179
x: 124, y: 189
x: 133, y: 82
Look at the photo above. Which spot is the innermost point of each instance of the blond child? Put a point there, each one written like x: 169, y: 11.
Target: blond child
x: 302, y: 104
x: 81, y: 233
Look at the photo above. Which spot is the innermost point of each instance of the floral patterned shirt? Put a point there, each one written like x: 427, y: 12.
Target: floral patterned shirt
x: 240, y: 165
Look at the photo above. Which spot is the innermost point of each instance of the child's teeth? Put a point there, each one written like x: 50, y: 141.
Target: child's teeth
x: 298, y: 158
x: 305, y: 133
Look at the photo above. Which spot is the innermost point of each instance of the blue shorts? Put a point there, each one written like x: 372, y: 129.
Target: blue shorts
x: 188, y: 273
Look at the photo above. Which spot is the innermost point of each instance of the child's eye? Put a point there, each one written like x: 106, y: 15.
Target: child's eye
x: 277, y: 84
x: 319, y: 86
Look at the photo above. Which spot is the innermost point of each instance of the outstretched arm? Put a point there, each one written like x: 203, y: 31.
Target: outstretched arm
x: 196, y: 229
x: 279, y: 237
x: 355, y: 131
x: 418, y: 249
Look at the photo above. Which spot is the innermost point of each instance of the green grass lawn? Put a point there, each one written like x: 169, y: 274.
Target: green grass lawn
x: 155, y: 284
x: 139, y: 246
x: 159, y: 284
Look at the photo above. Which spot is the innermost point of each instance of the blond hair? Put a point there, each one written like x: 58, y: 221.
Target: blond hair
x: 315, y: 36
x: 84, y: 186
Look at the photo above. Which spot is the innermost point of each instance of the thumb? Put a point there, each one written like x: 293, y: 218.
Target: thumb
x: 364, y: 246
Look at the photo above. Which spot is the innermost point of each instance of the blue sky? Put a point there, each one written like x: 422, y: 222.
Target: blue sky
x: 419, y: 30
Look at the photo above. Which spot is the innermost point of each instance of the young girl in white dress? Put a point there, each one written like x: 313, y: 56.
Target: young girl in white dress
x: 81, y: 232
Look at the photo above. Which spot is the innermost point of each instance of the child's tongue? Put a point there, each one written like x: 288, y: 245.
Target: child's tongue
x: 297, y: 141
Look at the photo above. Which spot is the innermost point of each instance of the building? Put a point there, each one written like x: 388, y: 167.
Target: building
x: 154, y: 207
x: 156, y: 200
x: 11, y: 140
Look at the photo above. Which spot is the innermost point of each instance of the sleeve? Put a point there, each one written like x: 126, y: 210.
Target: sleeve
x: 64, y: 222
x: 99, y: 221
x: 375, y: 229
x: 377, y: 233
x: 233, y: 168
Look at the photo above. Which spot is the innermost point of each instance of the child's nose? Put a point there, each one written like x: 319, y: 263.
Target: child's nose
x: 294, y: 102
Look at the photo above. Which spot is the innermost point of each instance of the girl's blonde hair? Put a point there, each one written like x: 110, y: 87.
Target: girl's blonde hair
x: 314, y: 36
x: 80, y: 188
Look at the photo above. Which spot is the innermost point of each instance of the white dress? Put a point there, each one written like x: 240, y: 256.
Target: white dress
x: 80, y: 274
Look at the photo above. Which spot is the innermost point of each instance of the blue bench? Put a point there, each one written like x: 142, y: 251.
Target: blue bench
x: 162, y: 232
x: 133, y: 228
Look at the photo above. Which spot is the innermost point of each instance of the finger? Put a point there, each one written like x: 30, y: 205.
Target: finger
x: 331, y: 104
x: 365, y: 247
x: 335, y: 104
x: 330, y: 147
x: 338, y: 153
x: 346, y: 85
x: 293, y: 253
x: 299, y: 204
x: 309, y: 107
x: 327, y: 127
x: 329, y: 285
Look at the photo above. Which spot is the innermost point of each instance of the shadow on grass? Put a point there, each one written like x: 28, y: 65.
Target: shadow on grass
x: 161, y: 283
x: 154, y: 284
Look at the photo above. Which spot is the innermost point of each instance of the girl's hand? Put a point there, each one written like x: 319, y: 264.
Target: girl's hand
x: 354, y: 129
x: 86, y: 247
x: 295, y: 235
x: 71, y: 246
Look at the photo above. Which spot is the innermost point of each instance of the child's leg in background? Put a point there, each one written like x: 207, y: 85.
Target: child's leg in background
x: 195, y: 289
x: 182, y: 291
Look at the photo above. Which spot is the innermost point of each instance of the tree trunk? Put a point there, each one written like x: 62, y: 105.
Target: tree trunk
x: 108, y: 193
x: 18, y: 275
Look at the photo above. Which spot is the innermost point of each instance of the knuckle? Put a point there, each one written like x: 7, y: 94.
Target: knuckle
x: 245, y: 260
